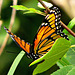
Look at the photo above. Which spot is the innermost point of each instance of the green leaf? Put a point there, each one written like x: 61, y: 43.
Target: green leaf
x: 15, y: 63
x: 70, y: 55
x: 69, y: 58
x: 59, y: 48
x: 19, y: 7
x: 64, y: 71
x: 72, y: 71
x: 27, y: 10
x: 63, y: 62
x: 70, y: 25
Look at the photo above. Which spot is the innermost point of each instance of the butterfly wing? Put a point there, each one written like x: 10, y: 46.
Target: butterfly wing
x: 49, y: 31
x: 22, y: 44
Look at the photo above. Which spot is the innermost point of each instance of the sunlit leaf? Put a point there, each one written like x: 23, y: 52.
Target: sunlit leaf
x: 70, y: 55
x: 19, y: 7
x: 27, y: 10
x: 15, y: 63
x: 72, y: 72
x: 59, y: 48
x: 63, y: 62
x: 64, y: 71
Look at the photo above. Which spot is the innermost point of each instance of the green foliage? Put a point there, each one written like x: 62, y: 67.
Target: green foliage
x: 70, y: 25
x: 68, y: 59
x: 56, y: 52
x: 70, y: 55
x: 65, y: 71
x: 28, y: 25
x: 20, y: 7
x: 63, y: 62
x: 59, y: 48
x: 72, y: 71
x: 16, y: 62
x: 27, y: 10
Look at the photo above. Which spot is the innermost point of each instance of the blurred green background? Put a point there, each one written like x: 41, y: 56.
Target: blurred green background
x: 25, y: 26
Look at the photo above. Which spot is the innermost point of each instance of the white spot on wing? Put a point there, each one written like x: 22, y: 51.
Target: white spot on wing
x: 46, y: 23
x: 43, y: 24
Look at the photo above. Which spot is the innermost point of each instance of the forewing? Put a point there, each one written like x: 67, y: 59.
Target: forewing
x: 49, y: 31
x: 22, y: 44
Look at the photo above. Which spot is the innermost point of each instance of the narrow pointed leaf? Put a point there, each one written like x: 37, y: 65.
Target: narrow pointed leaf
x: 15, y: 63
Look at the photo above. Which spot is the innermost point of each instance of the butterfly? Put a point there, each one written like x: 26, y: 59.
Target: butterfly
x: 48, y: 32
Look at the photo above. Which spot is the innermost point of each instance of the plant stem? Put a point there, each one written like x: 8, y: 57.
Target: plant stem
x: 1, y: 2
x: 62, y: 24
x: 10, y: 26
x: 69, y: 30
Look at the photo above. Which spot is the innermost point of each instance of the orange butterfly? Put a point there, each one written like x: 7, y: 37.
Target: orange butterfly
x: 49, y: 31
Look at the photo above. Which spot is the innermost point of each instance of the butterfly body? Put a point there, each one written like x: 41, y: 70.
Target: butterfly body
x: 48, y: 32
